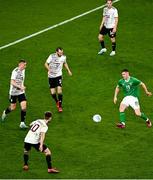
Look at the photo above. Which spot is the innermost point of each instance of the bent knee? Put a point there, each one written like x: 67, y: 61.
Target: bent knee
x: 47, y: 152
x: 138, y: 113
x: 100, y: 37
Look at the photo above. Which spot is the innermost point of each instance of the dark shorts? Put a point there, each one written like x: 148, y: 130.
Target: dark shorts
x: 105, y: 31
x: 20, y: 98
x: 27, y: 146
x: 54, y: 82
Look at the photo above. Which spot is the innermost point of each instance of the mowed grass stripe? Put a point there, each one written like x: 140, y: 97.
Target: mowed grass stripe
x: 52, y: 27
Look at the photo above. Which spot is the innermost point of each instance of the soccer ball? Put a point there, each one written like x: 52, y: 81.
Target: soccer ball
x: 96, y: 118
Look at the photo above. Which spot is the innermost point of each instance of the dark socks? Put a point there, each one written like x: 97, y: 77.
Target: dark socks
x: 48, y: 160
x: 102, y: 44
x: 23, y: 115
x: 26, y: 158
x: 60, y: 98
x: 54, y: 97
x: 113, y: 46
x: 8, y: 110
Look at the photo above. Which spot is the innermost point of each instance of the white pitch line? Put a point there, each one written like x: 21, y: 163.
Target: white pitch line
x: 52, y: 27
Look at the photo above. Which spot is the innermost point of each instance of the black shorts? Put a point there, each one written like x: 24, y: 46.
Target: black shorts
x: 105, y: 31
x: 20, y: 98
x: 27, y: 146
x: 54, y: 82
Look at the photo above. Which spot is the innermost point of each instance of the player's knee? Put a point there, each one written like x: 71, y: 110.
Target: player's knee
x: 13, y: 107
x: 113, y: 40
x: 137, y: 113
x: 23, y: 109
x: 100, y: 38
x: 47, y: 152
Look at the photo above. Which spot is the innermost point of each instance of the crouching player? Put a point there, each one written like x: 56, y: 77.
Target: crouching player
x: 35, y: 138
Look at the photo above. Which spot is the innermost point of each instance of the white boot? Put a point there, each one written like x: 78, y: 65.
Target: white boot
x: 112, y: 53
x: 103, y: 50
x: 23, y: 125
x: 3, y: 116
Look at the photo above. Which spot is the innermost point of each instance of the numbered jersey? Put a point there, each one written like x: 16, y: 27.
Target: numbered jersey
x: 19, y: 77
x: 33, y: 136
x: 130, y: 86
x: 55, y: 65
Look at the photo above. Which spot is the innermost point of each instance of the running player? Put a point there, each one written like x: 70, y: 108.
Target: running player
x: 54, y: 65
x: 130, y: 89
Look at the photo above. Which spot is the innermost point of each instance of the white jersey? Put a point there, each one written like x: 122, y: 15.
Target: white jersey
x: 110, y: 14
x: 55, y: 65
x: 19, y: 77
x: 33, y: 136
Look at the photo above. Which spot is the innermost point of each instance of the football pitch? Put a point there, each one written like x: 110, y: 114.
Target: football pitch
x: 81, y: 148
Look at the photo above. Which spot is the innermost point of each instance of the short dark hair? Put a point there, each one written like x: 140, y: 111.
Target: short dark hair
x: 48, y: 115
x: 22, y: 61
x: 59, y: 48
x: 125, y: 70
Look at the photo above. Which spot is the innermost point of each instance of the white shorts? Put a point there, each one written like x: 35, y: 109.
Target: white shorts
x: 131, y: 101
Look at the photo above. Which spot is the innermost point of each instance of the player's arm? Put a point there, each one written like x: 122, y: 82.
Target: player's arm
x: 46, y: 65
x: 117, y: 90
x: 68, y: 69
x: 13, y: 83
x: 145, y: 89
x: 116, y: 23
x: 42, y: 138
x: 102, y: 23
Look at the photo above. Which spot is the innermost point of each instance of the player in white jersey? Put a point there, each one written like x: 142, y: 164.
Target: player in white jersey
x: 108, y: 26
x: 17, y: 92
x: 54, y: 65
x: 35, y: 138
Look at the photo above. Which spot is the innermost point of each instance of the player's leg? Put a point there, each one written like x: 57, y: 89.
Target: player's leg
x: 12, y: 107
x: 143, y: 116
x: 47, y: 153
x: 27, y: 148
x: 113, y: 41
x: 59, y: 92
x: 122, y: 117
x: 52, y: 84
x: 101, y: 40
x: 134, y: 103
x: 23, y: 105
x: 113, y: 46
x: 60, y: 98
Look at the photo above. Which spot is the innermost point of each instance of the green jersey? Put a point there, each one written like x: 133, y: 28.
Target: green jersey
x: 130, y: 86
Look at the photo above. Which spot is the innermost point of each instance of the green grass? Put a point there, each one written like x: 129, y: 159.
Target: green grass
x: 80, y: 147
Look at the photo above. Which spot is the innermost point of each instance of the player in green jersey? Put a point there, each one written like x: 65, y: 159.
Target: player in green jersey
x: 130, y: 86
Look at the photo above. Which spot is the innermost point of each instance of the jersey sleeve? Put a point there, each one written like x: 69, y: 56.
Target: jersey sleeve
x: 44, y: 129
x: 104, y: 12
x: 119, y: 84
x: 13, y: 76
x: 64, y: 59
x: 136, y: 81
x: 49, y: 59
x: 115, y: 13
